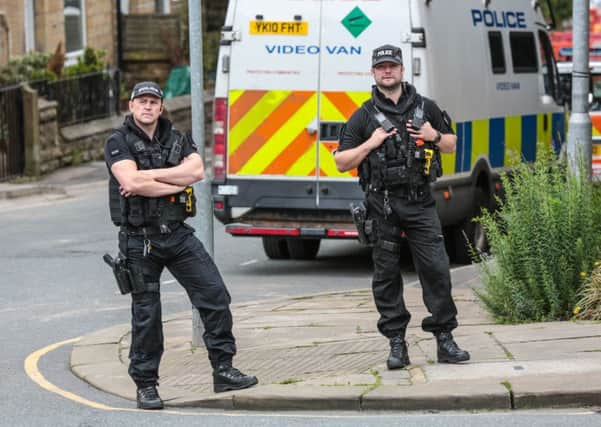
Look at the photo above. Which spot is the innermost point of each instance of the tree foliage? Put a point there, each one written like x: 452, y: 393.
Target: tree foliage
x: 562, y: 10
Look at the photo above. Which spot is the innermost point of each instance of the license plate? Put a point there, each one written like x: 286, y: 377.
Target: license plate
x: 227, y: 190
x: 282, y: 28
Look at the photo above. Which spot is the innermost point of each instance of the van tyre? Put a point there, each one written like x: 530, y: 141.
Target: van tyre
x: 275, y: 248
x: 303, y: 248
x: 469, y: 236
x: 462, y: 239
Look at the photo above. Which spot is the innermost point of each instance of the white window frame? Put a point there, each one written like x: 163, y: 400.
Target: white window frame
x: 29, y: 25
x: 71, y: 57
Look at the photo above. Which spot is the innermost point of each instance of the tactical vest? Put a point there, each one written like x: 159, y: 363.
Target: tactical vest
x: 140, y: 211
x: 399, y: 161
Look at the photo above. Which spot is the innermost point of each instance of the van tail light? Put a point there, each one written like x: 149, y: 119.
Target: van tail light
x: 219, y: 139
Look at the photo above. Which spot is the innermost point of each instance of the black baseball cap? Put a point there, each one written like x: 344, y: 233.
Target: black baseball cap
x: 146, y: 88
x: 387, y: 53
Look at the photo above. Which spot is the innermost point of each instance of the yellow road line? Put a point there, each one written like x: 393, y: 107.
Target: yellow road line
x: 31, y: 369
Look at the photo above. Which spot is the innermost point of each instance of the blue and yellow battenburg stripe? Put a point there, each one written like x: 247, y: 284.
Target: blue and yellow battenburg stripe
x: 505, y: 141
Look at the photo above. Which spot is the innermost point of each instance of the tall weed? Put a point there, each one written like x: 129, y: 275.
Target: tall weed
x: 544, y: 234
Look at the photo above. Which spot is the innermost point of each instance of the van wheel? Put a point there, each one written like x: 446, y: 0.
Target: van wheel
x: 275, y: 248
x: 469, y: 236
x: 303, y: 248
x: 462, y: 239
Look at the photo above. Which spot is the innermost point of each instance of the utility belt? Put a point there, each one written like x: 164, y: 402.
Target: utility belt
x: 408, y: 191
x: 150, y: 230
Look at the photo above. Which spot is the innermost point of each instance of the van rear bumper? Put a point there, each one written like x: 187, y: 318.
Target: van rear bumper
x: 296, y: 204
x: 274, y: 195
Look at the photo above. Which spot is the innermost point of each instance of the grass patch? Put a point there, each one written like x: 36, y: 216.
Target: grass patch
x: 377, y: 382
x: 290, y: 381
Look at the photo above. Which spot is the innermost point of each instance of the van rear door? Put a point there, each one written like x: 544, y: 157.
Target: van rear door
x: 272, y: 99
x: 350, y: 31
x: 297, y: 71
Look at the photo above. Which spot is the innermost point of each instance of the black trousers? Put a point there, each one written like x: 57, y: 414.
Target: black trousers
x: 185, y: 257
x: 419, y: 220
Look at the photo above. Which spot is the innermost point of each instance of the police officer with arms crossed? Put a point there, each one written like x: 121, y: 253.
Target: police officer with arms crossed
x: 394, y: 139
x: 151, y: 166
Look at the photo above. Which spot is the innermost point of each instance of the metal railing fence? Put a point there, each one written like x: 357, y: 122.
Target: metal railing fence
x: 12, y: 140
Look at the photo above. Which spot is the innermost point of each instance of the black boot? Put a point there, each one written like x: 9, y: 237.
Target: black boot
x: 148, y: 398
x: 448, y: 350
x: 227, y: 378
x: 399, y: 356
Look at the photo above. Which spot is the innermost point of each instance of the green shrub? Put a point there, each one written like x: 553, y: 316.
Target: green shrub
x: 90, y: 62
x: 543, y: 236
x: 30, y: 67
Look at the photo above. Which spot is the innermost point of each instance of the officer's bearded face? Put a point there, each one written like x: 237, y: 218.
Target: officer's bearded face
x: 146, y: 109
x: 388, y: 75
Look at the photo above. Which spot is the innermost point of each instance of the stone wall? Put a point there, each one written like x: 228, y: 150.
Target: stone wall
x: 101, y: 27
x: 84, y: 142
x: 50, y: 146
x: 13, y: 17
x: 49, y: 24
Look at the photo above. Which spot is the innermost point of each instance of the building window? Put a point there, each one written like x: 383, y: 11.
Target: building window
x: 75, y: 24
x: 162, y: 6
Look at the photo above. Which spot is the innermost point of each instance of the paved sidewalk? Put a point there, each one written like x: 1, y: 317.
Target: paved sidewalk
x: 324, y: 352
x: 57, y: 183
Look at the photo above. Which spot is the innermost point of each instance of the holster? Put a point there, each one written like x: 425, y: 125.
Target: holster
x: 365, y: 226
x: 122, y: 274
x: 128, y: 277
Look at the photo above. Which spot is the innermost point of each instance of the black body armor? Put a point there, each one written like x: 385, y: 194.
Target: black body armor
x: 140, y: 211
x: 400, y: 160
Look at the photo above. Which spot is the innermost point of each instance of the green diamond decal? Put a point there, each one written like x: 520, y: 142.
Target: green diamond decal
x: 356, y: 22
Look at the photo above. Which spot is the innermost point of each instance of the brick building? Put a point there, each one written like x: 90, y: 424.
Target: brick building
x: 39, y: 25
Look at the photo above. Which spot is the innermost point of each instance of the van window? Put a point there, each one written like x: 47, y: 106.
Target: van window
x: 549, y: 68
x: 497, y: 55
x: 523, y: 52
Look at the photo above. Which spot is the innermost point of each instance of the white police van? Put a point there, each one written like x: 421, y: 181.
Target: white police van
x: 291, y: 72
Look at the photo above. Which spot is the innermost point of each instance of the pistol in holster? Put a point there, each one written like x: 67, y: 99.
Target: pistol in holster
x: 123, y: 275
x: 364, y: 225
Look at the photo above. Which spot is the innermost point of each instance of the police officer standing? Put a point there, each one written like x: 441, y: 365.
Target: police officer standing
x: 395, y: 139
x: 151, y: 167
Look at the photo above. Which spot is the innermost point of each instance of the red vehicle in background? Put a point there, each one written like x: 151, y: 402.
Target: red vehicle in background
x: 565, y: 75
x: 562, y: 40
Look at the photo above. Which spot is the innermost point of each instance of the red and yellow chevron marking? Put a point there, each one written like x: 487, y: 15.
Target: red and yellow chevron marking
x: 268, y: 131
x: 596, y: 122
x: 337, y: 107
